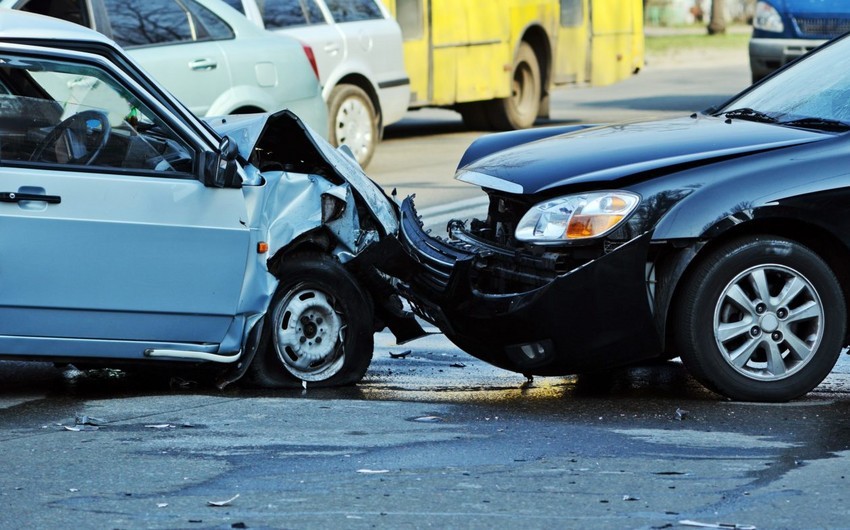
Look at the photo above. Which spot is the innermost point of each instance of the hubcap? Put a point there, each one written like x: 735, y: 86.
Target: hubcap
x: 309, y: 334
x: 768, y: 322
x: 353, y: 124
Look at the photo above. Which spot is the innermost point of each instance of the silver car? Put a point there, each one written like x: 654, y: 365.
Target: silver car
x: 358, y: 48
x: 134, y: 232
x: 204, y: 52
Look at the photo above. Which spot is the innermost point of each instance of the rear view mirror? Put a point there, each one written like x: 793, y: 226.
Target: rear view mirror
x: 220, y: 169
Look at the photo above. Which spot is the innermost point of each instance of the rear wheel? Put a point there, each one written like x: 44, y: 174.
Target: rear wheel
x: 520, y: 109
x: 762, y: 319
x: 353, y: 121
x: 318, y: 327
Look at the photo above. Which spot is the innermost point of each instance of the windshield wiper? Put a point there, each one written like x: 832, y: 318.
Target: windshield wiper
x: 822, y: 124
x: 749, y: 114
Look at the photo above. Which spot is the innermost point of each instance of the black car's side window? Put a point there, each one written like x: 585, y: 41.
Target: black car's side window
x: 148, y: 22
x: 287, y: 13
x: 354, y: 10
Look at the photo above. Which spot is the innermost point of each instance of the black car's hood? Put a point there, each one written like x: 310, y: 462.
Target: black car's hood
x: 605, y: 154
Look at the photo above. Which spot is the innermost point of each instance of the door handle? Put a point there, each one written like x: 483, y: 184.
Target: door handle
x: 203, y: 64
x: 11, y: 196
x: 332, y: 49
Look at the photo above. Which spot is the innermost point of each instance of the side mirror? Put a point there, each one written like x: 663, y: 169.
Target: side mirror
x: 220, y: 169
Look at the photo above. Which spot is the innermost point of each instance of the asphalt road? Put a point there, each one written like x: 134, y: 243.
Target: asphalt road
x: 432, y: 438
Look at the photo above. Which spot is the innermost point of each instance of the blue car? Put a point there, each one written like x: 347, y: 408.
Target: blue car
x: 134, y: 232
x: 784, y: 30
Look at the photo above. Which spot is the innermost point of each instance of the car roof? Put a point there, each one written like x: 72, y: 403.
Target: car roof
x: 20, y: 25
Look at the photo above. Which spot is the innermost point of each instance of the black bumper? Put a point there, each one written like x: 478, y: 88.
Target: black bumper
x: 590, y: 318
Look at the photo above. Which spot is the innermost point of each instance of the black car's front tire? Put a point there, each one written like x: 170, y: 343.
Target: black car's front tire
x: 319, y: 327
x: 761, y: 319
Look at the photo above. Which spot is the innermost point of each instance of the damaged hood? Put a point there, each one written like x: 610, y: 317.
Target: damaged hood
x: 605, y: 154
x: 247, y: 130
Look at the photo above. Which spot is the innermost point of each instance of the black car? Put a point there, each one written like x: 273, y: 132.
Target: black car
x: 722, y: 238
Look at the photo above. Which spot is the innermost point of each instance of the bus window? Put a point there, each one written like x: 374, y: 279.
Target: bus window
x: 571, y: 14
x: 410, y: 19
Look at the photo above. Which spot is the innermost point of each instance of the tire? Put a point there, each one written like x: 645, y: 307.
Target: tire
x: 318, y: 327
x: 752, y: 324
x: 353, y: 122
x: 520, y: 110
x: 476, y: 115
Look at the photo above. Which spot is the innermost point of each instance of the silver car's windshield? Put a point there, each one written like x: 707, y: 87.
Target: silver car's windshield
x: 813, y: 93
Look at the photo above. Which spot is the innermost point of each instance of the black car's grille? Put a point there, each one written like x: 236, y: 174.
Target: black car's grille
x: 826, y: 27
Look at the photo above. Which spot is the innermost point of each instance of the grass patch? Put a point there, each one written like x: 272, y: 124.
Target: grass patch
x: 663, y: 44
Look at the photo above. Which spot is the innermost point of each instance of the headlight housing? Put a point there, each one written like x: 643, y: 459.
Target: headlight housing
x: 575, y: 217
x: 767, y: 18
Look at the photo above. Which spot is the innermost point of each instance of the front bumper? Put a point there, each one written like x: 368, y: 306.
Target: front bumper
x: 595, y: 316
x: 767, y: 55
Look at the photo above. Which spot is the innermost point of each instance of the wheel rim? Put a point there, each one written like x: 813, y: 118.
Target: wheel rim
x: 309, y: 334
x: 768, y: 322
x: 353, y: 126
x: 523, y: 93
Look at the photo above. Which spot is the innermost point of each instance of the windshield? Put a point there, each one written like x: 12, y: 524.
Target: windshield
x: 813, y: 93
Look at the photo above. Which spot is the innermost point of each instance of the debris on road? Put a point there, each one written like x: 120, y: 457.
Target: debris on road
x: 373, y: 471
x: 401, y: 355
x: 630, y: 498
x: 457, y: 365
x: 724, y: 526
x: 428, y: 419
x: 681, y: 414
x: 219, y: 504
x: 82, y: 419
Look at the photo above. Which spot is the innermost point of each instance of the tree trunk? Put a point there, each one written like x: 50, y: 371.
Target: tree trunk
x: 717, y: 25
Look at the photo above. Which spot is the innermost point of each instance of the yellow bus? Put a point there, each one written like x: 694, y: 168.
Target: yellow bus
x: 496, y: 61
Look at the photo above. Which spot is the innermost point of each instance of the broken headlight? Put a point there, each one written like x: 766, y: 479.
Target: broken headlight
x: 580, y: 216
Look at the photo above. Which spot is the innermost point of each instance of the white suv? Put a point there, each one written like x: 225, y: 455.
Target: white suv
x: 203, y: 51
x: 358, y: 49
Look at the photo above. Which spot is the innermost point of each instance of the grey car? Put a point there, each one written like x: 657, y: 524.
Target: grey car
x: 204, y: 52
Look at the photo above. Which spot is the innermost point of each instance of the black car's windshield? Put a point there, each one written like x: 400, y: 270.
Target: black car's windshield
x: 814, y: 93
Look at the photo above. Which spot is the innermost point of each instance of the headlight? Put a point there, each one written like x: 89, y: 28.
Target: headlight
x: 767, y: 18
x: 581, y: 216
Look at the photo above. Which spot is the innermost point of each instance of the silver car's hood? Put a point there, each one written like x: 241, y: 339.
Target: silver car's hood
x: 247, y: 131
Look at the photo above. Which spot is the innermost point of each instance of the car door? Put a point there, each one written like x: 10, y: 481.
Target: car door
x: 106, y: 235
x: 305, y: 20
x: 176, y: 41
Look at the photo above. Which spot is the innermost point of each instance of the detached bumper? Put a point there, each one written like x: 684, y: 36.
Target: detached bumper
x: 589, y: 318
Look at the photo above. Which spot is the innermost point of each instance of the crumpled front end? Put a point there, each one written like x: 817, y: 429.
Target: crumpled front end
x: 537, y: 311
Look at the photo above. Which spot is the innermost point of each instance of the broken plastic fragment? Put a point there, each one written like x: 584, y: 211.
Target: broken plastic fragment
x: 79, y: 428
x: 428, y: 419
x: 630, y: 498
x: 160, y: 426
x: 681, y: 414
x: 457, y: 365
x: 161, y: 504
x: 223, y: 503
x: 727, y: 526
x: 372, y: 471
x: 81, y: 419
x: 401, y: 355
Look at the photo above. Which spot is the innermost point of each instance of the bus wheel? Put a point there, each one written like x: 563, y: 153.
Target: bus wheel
x: 520, y: 109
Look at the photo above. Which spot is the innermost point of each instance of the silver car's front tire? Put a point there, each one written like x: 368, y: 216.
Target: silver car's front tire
x: 319, y: 327
x: 760, y: 319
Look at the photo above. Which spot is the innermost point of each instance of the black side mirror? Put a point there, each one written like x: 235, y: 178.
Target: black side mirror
x: 220, y: 169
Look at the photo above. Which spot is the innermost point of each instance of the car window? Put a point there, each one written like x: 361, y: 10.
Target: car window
x: 409, y: 15
x: 353, y: 10
x: 287, y: 13
x: 70, y: 10
x: 55, y: 112
x: 571, y: 13
x: 147, y: 22
x: 236, y: 4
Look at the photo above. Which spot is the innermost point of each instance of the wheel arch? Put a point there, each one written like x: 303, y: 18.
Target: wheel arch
x: 362, y: 82
x: 679, y: 264
x: 536, y: 37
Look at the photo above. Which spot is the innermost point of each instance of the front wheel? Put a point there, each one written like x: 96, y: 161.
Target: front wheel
x: 353, y: 122
x: 318, y: 327
x: 761, y: 319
